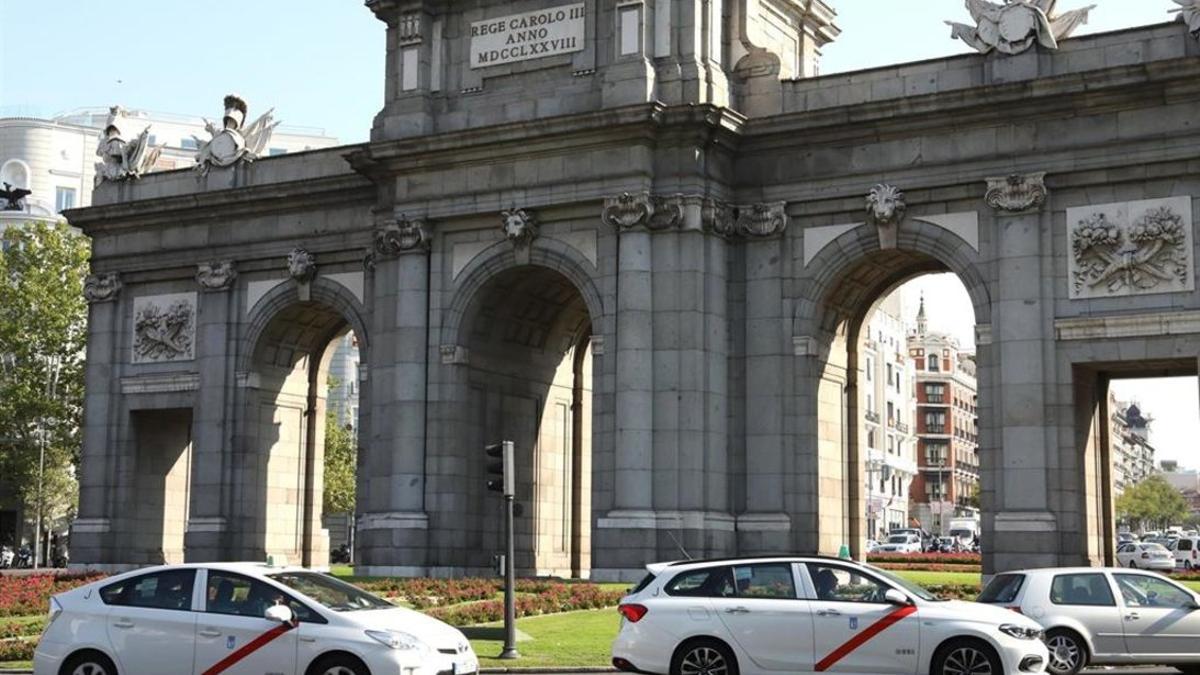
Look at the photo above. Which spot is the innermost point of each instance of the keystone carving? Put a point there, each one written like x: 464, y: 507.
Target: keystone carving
x: 1017, y: 192
x: 164, y: 328
x: 1131, y: 249
x: 402, y: 236
x: 885, y: 209
x: 520, y: 226
x: 1014, y: 26
x: 216, y: 276
x: 102, y: 287
x: 627, y: 210
x: 302, y: 265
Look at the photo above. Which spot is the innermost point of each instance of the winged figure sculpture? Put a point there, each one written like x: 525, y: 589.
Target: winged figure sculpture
x: 1014, y: 26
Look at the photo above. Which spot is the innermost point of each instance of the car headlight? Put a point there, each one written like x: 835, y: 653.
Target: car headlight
x: 394, y: 639
x: 1021, y: 632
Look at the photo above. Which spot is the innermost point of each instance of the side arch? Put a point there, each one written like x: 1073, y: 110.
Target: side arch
x: 321, y: 291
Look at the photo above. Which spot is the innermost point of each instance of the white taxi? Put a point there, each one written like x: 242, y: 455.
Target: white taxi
x: 812, y: 615
x: 241, y: 619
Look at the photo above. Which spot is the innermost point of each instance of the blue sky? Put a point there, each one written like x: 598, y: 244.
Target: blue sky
x: 320, y: 62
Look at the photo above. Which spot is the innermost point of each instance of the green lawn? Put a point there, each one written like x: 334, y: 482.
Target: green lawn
x: 938, y: 578
x: 569, y: 639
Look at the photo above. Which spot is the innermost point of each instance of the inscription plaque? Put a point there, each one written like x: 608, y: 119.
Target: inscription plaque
x: 531, y: 35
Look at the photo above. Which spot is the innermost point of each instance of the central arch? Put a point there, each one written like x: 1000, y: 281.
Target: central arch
x: 528, y: 378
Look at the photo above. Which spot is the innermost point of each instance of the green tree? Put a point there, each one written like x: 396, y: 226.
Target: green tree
x: 341, y: 456
x: 43, y: 330
x: 1152, y: 502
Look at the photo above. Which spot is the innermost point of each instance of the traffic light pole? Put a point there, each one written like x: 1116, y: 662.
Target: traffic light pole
x: 510, y: 584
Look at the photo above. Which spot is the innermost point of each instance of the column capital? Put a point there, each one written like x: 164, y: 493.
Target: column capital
x: 104, y: 287
x: 403, y: 235
x: 1016, y: 192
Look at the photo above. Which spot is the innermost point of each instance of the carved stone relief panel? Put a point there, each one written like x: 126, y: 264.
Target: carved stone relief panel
x: 1130, y: 248
x: 164, y: 328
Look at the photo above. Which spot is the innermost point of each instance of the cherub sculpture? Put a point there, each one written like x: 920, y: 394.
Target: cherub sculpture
x: 121, y: 159
x: 1014, y: 26
x: 234, y: 142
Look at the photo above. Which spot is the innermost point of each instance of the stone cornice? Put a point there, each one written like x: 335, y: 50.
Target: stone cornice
x: 555, y: 135
x: 993, y: 104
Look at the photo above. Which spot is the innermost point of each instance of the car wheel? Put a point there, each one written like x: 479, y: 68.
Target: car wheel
x: 967, y: 657
x: 88, y: 663
x: 1068, y: 652
x: 704, y: 657
x: 337, y: 664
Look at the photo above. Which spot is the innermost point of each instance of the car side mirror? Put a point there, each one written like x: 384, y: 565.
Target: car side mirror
x: 279, y: 614
x: 895, y: 597
x: 1191, y: 605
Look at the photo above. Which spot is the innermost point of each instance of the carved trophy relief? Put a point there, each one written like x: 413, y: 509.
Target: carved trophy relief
x: 235, y: 141
x: 164, y: 328
x: 1189, y: 13
x: 1131, y: 248
x: 1014, y: 26
x: 121, y: 159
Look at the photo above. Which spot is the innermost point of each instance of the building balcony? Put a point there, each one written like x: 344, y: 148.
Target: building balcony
x: 871, y: 416
x: 901, y: 427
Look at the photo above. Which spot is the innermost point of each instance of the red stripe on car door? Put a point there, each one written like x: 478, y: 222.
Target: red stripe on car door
x: 863, y: 637
x: 248, y: 649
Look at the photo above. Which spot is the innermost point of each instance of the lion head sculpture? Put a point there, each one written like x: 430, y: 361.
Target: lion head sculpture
x: 885, y: 205
x: 519, y: 226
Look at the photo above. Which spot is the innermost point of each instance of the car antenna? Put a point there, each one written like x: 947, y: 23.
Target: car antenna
x: 681, y: 548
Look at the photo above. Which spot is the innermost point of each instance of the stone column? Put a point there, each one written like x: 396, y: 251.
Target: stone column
x: 393, y: 524
x: 765, y: 526
x: 1024, y: 528
x: 204, y: 538
x: 91, y: 540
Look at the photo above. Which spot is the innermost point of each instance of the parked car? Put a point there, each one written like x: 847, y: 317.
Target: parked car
x: 1105, y: 616
x: 1146, y: 555
x: 1125, y: 537
x: 872, y: 546
x: 803, y: 615
x: 207, y: 618
x: 901, y: 543
x: 947, y: 545
x: 1187, y: 552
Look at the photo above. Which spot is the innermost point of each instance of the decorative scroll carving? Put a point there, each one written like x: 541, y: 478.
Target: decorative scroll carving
x: 762, y: 220
x: 216, y: 276
x: 404, y: 235
x: 368, y: 261
x: 102, y: 287
x: 627, y: 210
x: 164, y: 328
x: 1014, y: 26
x: 666, y: 213
x: 717, y: 217
x: 1131, y: 249
x: 1017, y: 192
x: 302, y: 265
x: 520, y: 226
x: 885, y: 209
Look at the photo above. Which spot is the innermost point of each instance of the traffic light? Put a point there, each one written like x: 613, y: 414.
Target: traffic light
x: 500, y: 472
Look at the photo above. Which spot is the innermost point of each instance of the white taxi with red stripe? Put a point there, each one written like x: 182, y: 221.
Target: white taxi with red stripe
x: 241, y: 619
x: 812, y: 615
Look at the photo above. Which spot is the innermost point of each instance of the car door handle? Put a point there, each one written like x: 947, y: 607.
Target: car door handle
x: 304, y: 638
x: 828, y: 612
x: 123, y: 623
x: 1132, y: 616
x: 210, y: 632
x: 737, y: 610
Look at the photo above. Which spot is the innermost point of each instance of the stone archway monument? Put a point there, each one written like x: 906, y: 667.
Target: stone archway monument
x: 640, y: 237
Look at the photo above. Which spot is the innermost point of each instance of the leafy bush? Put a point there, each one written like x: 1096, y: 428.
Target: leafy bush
x: 929, y: 567
x: 537, y: 598
x: 16, y: 650
x: 13, y: 629
x: 955, y: 591
x: 24, y: 595
x: 942, y: 558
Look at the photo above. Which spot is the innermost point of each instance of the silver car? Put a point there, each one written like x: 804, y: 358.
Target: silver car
x: 1146, y: 555
x: 1105, y: 616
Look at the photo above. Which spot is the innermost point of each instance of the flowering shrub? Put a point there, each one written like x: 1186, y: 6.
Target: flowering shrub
x: 547, y: 598
x: 16, y: 650
x: 22, y: 595
x: 14, y: 629
x: 929, y: 567
x: 955, y: 591
x: 942, y: 558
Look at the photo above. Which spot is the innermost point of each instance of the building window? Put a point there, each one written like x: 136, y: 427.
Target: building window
x: 64, y: 198
x: 932, y: 363
x: 935, y: 422
x: 871, y: 439
x: 889, y: 373
x: 870, y: 369
x: 275, y: 152
x: 630, y: 18
x: 152, y: 140
x: 189, y: 144
x: 935, y: 393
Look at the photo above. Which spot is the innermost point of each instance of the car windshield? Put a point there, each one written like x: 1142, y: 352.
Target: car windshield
x: 333, y: 594
x: 906, y: 585
x: 1153, y: 547
x: 898, y: 539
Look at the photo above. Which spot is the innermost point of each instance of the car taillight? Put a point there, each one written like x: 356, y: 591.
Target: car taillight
x: 55, y: 610
x: 633, y: 612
